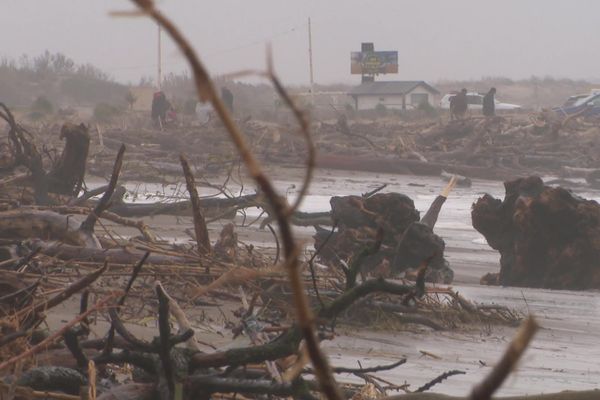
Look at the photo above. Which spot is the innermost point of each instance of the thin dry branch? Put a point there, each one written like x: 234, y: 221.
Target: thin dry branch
x: 207, y: 91
x: 485, y: 389
x: 200, y: 228
x: 182, y: 320
x: 304, y: 130
x: 58, y: 334
x: 439, y: 379
x: 67, y: 293
x: 103, y: 204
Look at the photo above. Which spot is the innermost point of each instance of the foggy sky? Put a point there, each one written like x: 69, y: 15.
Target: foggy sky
x: 436, y: 39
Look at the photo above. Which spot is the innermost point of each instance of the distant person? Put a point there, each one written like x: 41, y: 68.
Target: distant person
x: 160, y: 107
x: 458, y: 105
x: 227, y: 97
x: 489, y: 105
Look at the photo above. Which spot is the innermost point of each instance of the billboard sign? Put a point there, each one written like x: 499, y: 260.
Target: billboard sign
x: 374, y: 62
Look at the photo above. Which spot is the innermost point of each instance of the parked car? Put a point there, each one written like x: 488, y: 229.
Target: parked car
x: 586, y: 106
x: 570, y: 102
x: 475, y: 102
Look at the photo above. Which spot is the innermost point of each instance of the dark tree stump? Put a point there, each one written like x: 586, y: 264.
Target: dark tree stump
x: 405, y: 244
x: 547, y: 237
x: 68, y: 172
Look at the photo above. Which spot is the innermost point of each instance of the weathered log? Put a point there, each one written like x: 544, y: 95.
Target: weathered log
x: 116, y: 255
x: 407, y: 167
x: 211, y: 206
x: 26, y: 223
x: 432, y: 214
x: 53, y: 379
x: 200, y: 229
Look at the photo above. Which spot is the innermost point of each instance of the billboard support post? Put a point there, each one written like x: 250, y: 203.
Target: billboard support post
x: 310, y: 64
x: 159, y: 72
x: 368, y: 63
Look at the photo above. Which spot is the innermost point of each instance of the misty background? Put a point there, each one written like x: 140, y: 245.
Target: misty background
x: 436, y: 40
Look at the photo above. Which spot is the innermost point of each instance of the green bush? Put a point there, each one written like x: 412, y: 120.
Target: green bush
x: 42, y: 106
x: 104, y: 112
x: 381, y: 109
x: 349, y: 109
x: 427, y: 109
x: 130, y: 99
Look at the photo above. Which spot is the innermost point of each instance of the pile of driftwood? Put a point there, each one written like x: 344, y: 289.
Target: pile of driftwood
x: 547, y: 236
x: 51, y: 250
x: 287, y: 307
x: 492, y: 148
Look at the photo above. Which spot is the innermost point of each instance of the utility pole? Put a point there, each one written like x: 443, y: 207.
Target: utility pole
x: 159, y: 76
x: 310, y: 62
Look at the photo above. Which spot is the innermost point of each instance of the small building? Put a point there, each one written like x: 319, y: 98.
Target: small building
x: 397, y: 95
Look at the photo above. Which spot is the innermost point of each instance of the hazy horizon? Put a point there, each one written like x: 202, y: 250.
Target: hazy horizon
x: 436, y: 40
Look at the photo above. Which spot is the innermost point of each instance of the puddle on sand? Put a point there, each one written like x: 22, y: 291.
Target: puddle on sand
x: 565, y: 354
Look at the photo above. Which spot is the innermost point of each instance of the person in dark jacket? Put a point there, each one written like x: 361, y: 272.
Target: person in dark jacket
x: 489, y: 105
x: 160, y: 107
x: 458, y: 105
x: 227, y: 97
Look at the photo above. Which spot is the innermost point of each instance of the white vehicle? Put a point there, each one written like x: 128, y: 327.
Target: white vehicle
x: 204, y: 112
x: 475, y: 102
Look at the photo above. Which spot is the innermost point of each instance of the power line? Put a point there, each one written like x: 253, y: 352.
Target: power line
x: 215, y: 53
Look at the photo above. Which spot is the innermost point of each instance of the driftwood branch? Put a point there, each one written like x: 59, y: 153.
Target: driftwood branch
x: 164, y: 330
x: 439, y: 379
x: 65, y: 294
x: 57, y: 335
x: 207, y: 91
x: 200, y: 228
x: 104, y: 203
x: 515, y: 350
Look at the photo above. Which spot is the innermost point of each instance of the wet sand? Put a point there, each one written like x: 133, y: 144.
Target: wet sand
x: 564, y: 354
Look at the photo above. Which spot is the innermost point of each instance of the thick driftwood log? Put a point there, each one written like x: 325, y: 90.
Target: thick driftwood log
x: 53, y: 379
x: 407, y: 167
x: 212, y: 207
x: 29, y: 223
x: 102, y: 205
x: 116, y: 255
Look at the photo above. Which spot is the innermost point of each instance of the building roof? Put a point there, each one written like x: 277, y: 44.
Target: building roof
x: 389, y: 87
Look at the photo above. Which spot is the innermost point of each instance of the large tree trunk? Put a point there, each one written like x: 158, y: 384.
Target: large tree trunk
x: 23, y: 224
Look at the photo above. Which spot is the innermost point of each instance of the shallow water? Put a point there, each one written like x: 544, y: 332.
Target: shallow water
x: 565, y: 354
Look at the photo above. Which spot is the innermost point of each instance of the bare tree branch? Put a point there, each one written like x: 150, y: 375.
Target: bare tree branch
x: 207, y: 91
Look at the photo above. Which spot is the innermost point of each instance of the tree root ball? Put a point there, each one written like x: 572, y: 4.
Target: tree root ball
x: 547, y: 237
x: 405, y: 242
